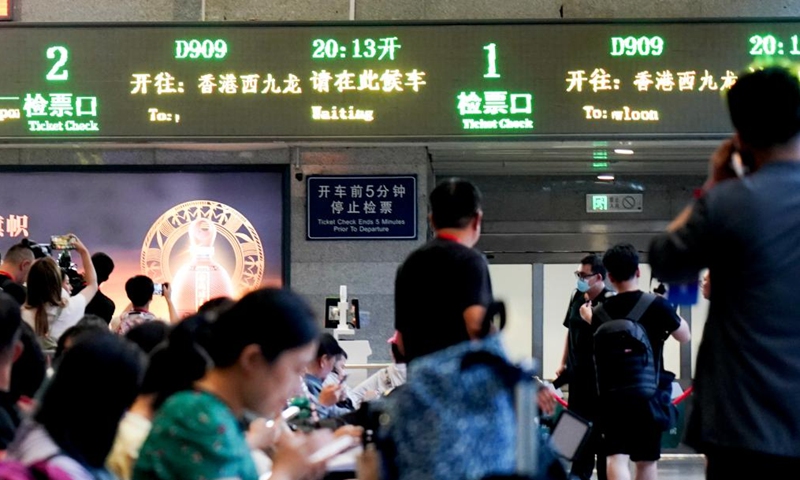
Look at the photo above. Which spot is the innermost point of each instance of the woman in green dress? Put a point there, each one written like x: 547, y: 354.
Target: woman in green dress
x: 249, y: 359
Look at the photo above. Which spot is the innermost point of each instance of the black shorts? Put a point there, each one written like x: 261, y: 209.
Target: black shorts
x: 630, y: 430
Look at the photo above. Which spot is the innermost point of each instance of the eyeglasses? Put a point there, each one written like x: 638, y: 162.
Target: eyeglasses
x: 584, y: 276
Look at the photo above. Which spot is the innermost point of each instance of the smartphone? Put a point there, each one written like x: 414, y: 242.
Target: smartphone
x: 62, y: 242
x: 290, y: 412
x: 332, y: 449
x: 343, y: 379
x: 287, y: 415
x: 742, y: 163
x: 158, y: 289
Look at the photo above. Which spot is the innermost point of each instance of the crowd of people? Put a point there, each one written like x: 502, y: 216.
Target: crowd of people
x: 85, y: 394
x: 92, y: 395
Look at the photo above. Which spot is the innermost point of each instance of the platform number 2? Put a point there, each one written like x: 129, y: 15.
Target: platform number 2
x: 58, y: 73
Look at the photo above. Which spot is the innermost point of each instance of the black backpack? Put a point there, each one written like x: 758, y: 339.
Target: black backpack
x: 624, y: 363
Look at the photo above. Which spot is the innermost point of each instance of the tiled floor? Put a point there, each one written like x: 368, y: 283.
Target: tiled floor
x: 683, y: 467
x: 680, y: 467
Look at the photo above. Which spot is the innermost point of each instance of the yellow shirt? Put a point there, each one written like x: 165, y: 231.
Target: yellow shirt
x: 132, y: 432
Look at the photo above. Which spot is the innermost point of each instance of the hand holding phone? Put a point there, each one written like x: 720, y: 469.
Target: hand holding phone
x: 341, y: 444
x: 330, y: 395
x: 742, y: 163
x: 291, y: 457
x: 720, y: 167
x: 63, y: 242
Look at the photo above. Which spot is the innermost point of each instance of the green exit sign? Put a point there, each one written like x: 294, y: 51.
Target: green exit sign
x: 614, y: 203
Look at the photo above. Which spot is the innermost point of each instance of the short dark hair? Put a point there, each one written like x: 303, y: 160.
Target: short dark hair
x: 90, y: 320
x: 454, y: 203
x: 30, y: 368
x: 98, y: 379
x: 329, y: 346
x: 19, y: 253
x: 139, y: 290
x: 765, y: 107
x: 397, y: 354
x: 596, y: 263
x: 148, y: 335
x: 621, y: 261
x: 89, y: 323
x: 218, y: 305
x: 103, y: 265
x: 10, y: 321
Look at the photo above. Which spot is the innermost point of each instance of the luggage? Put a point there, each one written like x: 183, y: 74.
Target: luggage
x: 466, y: 413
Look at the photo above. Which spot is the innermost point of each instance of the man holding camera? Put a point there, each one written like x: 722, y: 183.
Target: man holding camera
x: 745, y: 227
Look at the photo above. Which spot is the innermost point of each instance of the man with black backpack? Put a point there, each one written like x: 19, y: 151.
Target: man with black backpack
x: 633, y: 386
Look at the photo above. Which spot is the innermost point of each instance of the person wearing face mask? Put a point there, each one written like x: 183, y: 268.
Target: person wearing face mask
x: 577, y: 367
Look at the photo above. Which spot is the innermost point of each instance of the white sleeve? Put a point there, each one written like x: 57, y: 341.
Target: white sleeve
x: 71, y: 314
x: 371, y: 383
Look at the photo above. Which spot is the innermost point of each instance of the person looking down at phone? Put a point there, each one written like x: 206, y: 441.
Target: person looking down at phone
x: 326, y: 397
x: 140, y: 290
x: 48, y: 312
x: 746, y: 230
x: 248, y: 360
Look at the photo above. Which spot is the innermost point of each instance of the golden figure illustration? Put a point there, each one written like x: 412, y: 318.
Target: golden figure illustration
x: 201, y: 271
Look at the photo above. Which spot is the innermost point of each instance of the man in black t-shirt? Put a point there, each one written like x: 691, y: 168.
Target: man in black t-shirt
x: 442, y: 289
x: 577, y: 368
x: 101, y: 305
x: 630, y: 431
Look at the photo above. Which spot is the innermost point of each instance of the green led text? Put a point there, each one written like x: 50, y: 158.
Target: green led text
x: 771, y: 45
x: 637, y: 46
x: 58, y: 73
x: 200, y: 49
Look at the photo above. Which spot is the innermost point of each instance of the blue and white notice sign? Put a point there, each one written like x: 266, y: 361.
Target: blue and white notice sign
x: 362, y: 207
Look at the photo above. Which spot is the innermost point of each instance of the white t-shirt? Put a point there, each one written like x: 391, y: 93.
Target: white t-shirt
x: 60, y: 318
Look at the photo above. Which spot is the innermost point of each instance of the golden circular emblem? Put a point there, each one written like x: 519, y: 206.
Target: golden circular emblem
x: 205, y: 250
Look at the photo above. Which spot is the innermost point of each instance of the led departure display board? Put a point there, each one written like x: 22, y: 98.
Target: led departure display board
x: 377, y: 82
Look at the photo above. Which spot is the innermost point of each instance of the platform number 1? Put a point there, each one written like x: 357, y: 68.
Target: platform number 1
x: 491, y: 53
x: 58, y: 73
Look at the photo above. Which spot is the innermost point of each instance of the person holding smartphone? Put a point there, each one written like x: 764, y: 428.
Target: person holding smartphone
x: 140, y: 290
x: 235, y: 364
x: 48, y: 312
x: 745, y: 227
x: 327, y: 398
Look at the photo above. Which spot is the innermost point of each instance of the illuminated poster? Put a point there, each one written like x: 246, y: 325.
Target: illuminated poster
x: 379, y: 82
x: 207, y: 234
x: 5, y: 9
